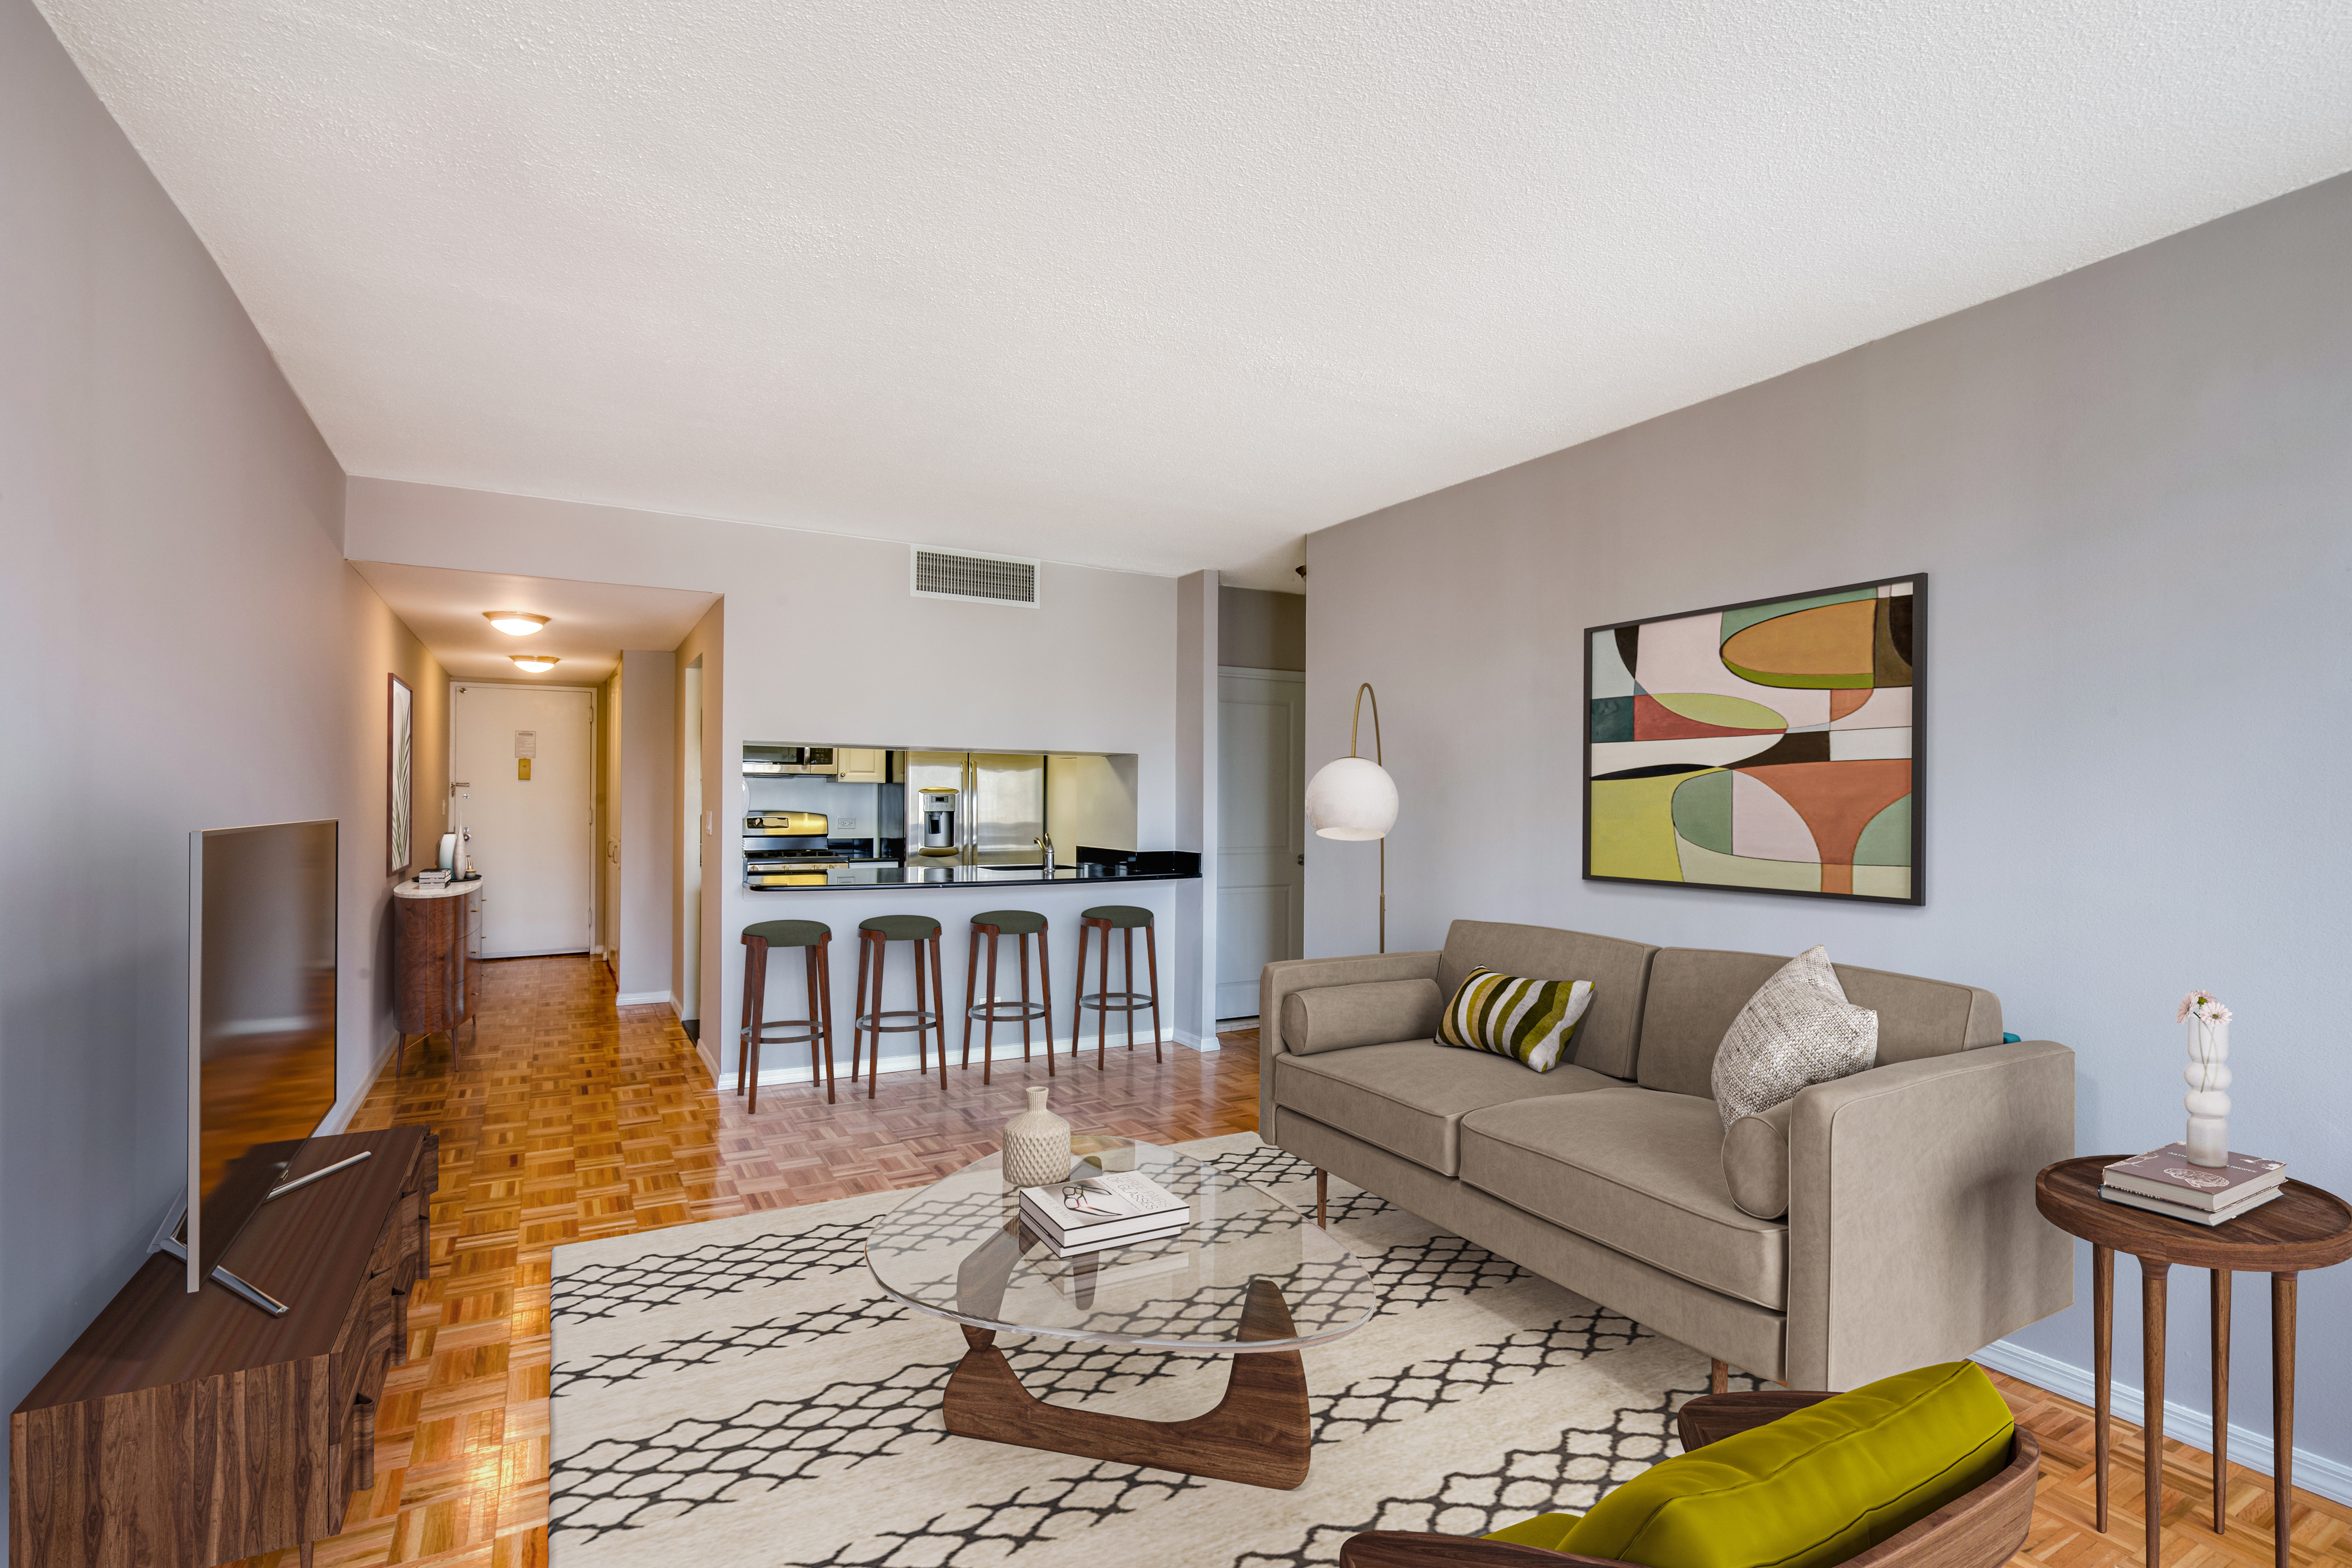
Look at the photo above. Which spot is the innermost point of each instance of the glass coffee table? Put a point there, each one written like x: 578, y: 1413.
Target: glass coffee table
x: 1250, y: 1277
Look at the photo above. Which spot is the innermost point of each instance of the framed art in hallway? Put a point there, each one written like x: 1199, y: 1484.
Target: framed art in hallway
x: 400, y: 757
x: 1770, y: 746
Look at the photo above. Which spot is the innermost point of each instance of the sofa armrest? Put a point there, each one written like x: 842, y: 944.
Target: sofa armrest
x: 1278, y: 980
x: 1913, y: 1235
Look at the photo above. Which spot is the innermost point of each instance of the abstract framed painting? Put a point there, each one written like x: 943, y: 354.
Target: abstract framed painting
x: 1770, y: 746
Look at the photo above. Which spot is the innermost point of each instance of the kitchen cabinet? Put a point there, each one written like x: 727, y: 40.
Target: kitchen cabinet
x: 859, y: 764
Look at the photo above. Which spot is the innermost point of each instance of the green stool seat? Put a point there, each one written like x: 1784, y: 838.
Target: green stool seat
x: 992, y: 1010
x: 902, y: 928
x: 790, y: 933
x: 1118, y: 915
x: 1012, y: 922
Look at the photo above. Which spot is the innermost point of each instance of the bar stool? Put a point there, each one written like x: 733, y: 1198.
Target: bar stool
x: 1106, y: 919
x: 874, y: 938
x: 993, y: 923
x: 814, y: 939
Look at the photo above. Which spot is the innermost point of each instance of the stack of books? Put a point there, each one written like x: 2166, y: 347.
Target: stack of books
x: 2163, y: 1181
x: 1119, y: 1208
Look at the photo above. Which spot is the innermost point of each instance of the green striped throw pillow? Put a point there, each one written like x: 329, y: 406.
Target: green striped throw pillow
x: 1532, y: 1020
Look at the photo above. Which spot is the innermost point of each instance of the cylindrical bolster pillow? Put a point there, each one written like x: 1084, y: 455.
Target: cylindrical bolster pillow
x: 1372, y: 1012
x: 1756, y: 1161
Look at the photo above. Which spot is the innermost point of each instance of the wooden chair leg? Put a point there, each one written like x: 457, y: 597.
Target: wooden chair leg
x: 971, y: 979
x: 1151, y: 951
x: 1045, y: 984
x: 938, y: 1010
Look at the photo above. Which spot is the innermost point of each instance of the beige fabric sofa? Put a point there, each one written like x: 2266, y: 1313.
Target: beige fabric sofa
x: 1910, y: 1234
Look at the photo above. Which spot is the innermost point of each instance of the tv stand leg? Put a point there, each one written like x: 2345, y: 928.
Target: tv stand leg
x: 259, y: 1298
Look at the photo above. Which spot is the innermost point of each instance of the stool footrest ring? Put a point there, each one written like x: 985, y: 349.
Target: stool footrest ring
x: 1117, y: 1000
x: 872, y: 1021
x: 1005, y: 1012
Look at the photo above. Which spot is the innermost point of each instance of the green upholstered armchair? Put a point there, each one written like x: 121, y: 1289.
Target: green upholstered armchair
x: 1980, y: 1529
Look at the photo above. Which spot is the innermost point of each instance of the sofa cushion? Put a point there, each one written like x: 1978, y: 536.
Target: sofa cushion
x: 1370, y: 1013
x: 1632, y: 1169
x: 1756, y: 1161
x: 1530, y: 1021
x: 1409, y: 1096
x: 1619, y: 970
x: 1696, y: 992
x: 1815, y: 1488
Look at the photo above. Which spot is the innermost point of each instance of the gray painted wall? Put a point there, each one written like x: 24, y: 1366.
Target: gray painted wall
x: 1258, y: 630
x: 181, y: 647
x: 2130, y: 487
x: 648, y: 821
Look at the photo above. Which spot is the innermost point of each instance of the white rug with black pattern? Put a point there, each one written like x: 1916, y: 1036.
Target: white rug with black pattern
x: 741, y: 1393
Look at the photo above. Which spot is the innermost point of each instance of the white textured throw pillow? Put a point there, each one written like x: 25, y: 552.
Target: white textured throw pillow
x: 1798, y: 1029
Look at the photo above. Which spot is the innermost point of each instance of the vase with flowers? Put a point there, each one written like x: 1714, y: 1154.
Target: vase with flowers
x: 2208, y: 1073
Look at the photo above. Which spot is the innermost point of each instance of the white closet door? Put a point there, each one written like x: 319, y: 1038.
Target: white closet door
x: 1262, y: 830
x: 533, y: 838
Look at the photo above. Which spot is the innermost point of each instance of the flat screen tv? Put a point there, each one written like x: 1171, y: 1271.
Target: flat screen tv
x: 261, y: 1018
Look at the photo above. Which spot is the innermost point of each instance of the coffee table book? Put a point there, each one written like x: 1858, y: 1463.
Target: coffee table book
x: 1087, y: 1249
x: 2166, y: 1173
x: 1125, y: 1204
x: 2183, y: 1211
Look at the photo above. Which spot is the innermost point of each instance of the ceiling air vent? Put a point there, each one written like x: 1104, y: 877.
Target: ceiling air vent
x: 987, y: 579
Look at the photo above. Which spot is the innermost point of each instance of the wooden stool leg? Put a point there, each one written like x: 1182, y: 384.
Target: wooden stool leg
x: 1102, y: 1012
x: 987, y: 1020
x: 2221, y: 1322
x: 971, y: 979
x: 808, y: 973
x: 1023, y: 945
x: 857, y: 1011
x: 1078, y: 995
x: 2153, y: 1277
x: 1045, y: 984
x: 824, y: 1002
x: 1127, y: 980
x: 923, y: 1036
x: 873, y: 1045
x: 1152, y: 952
x: 2102, y: 1356
x: 938, y: 1010
x: 2282, y: 1413
x: 750, y: 1010
x: 756, y: 983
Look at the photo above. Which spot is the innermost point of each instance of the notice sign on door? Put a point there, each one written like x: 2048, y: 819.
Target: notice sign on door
x: 525, y: 748
x: 522, y: 769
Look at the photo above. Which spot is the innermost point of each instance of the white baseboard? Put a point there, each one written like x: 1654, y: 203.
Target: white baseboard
x: 710, y: 1061
x: 2315, y: 1473
x: 640, y: 998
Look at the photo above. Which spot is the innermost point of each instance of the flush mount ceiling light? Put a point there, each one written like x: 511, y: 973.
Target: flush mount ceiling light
x: 515, y: 623
x: 534, y: 662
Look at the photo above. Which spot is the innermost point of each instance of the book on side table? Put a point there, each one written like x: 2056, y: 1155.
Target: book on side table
x: 1119, y: 1208
x: 2164, y: 1182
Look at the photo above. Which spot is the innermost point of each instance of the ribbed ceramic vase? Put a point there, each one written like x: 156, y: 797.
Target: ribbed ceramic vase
x: 1036, y: 1146
x: 2208, y: 1099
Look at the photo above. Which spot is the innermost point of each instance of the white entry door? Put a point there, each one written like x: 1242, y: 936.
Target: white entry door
x: 1262, y: 829
x: 527, y: 756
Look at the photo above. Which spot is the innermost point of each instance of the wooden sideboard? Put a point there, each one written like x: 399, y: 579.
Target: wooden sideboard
x: 437, y: 943
x: 185, y: 1430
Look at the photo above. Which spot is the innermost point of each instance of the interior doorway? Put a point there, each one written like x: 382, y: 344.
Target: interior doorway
x: 1261, y: 830
x: 527, y: 755
x: 695, y: 821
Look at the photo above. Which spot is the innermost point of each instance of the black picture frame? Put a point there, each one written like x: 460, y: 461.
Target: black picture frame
x: 1920, y: 666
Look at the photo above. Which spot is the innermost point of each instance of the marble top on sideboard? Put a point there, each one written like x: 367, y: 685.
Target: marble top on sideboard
x: 414, y: 890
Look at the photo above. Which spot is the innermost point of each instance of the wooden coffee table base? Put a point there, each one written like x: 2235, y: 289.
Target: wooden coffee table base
x: 1258, y: 1434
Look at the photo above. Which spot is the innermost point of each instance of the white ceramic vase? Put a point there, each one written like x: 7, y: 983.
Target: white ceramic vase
x: 2208, y: 1100
x: 1036, y: 1146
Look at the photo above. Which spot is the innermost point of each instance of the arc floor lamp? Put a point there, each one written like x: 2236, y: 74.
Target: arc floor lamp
x: 1353, y: 798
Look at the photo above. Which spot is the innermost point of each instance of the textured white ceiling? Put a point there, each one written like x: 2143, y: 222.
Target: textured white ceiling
x: 1156, y: 286
x: 588, y: 624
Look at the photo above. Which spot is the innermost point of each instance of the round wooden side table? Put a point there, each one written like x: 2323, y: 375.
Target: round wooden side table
x: 2302, y: 1228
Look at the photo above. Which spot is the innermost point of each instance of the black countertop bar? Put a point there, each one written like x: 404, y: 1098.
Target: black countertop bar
x: 1149, y: 866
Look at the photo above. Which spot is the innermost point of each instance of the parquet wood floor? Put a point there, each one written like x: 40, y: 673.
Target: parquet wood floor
x: 569, y: 1119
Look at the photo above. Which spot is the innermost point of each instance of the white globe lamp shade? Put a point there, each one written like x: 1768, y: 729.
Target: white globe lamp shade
x: 1352, y: 799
